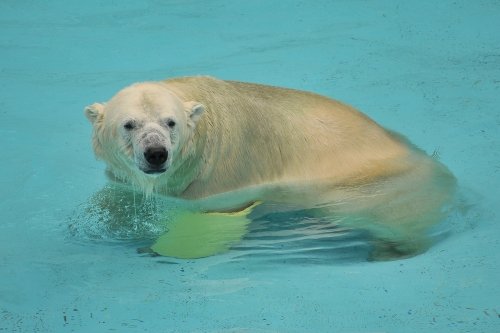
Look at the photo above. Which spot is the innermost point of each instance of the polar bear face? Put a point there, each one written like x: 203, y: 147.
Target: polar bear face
x: 142, y: 129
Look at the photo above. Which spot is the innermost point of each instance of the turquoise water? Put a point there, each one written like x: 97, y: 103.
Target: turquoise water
x: 429, y: 70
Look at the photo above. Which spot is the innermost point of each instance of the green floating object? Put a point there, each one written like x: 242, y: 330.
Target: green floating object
x: 197, y: 235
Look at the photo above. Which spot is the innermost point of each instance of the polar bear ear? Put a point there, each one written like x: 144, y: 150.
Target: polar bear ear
x: 194, y: 111
x: 94, y: 112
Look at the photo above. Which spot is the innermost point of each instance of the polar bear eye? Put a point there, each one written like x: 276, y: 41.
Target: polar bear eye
x: 129, y: 125
x: 171, y: 123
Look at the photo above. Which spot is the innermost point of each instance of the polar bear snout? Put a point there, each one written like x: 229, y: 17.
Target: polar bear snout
x: 156, y: 156
x: 153, y: 152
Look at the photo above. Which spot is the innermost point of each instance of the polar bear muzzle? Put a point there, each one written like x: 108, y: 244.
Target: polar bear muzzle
x: 152, y: 149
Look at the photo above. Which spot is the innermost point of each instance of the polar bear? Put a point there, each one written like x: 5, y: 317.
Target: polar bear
x: 225, y: 145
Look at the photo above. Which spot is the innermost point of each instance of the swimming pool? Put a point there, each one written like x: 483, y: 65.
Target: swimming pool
x: 428, y: 70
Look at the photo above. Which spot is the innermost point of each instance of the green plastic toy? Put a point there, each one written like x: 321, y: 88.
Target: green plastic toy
x: 197, y: 235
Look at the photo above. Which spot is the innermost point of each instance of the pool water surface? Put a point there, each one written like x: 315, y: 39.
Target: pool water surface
x: 429, y: 70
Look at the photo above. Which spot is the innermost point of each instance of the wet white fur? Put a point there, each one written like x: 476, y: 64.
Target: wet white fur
x: 238, y: 142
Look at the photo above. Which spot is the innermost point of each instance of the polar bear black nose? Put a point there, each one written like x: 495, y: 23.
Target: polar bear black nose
x: 156, y: 156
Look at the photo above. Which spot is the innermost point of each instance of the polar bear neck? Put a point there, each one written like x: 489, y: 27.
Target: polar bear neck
x: 213, y: 159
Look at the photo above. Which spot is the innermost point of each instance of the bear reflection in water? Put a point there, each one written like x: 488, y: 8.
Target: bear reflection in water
x: 223, y: 147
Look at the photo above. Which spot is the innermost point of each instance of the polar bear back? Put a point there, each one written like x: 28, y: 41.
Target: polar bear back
x: 255, y: 134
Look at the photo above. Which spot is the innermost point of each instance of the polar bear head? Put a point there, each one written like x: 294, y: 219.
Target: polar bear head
x: 141, y: 131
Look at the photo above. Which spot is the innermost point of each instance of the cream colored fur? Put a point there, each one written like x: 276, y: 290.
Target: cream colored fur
x: 236, y: 142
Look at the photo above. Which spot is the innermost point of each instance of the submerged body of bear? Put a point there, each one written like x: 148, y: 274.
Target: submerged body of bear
x: 226, y: 144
